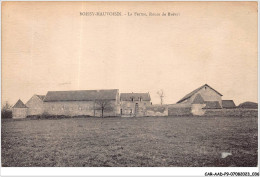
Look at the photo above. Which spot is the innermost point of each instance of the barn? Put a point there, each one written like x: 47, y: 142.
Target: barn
x: 82, y: 103
x: 19, y: 110
x: 204, y: 94
x: 35, y: 105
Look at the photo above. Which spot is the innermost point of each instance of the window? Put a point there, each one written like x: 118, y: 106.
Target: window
x: 205, y: 88
x: 132, y: 99
x: 121, y: 111
x: 140, y: 99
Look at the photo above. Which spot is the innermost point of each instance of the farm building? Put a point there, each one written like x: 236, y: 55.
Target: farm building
x: 134, y: 104
x: 197, y: 102
x: 19, y: 110
x: 228, y: 104
x: 82, y: 102
x: 204, y: 94
x: 106, y: 103
x: 35, y: 105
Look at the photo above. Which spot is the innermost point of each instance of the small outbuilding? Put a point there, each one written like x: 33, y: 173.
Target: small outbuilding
x: 228, y: 104
x: 19, y: 110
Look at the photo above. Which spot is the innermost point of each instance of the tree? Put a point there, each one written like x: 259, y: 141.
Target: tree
x: 6, y: 111
x: 161, y: 95
x: 103, y: 105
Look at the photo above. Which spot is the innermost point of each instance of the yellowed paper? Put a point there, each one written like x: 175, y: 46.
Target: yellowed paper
x: 57, y: 46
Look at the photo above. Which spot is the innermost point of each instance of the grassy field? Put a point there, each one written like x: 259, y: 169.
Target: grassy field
x: 150, y: 141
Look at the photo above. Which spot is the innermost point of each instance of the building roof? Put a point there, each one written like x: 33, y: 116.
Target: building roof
x: 228, y: 104
x: 81, y: 95
x: 41, y: 96
x: 19, y: 104
x: 212, y: 105
x: 135, y: 96
x: 195, y: 91
x: 198, y: 99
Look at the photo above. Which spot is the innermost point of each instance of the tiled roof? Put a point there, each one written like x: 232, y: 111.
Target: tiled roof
x: 41, y: 96
x: 19, y: 104
x: 81, y: 95
x: 198, y: 99
x: 228, y: 104
x: 195, y: 91
x: 212, y: 105
x: 135, y: 96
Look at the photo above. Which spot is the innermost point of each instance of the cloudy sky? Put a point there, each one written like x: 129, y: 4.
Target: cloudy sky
x: 49, y: 46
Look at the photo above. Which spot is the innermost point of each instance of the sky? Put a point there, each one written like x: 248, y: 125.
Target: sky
x: 48, y: 46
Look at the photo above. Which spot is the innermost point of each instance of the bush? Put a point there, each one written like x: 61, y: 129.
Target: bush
x: 44, y: 115
x: 249, y: 105
x: 6, y: 111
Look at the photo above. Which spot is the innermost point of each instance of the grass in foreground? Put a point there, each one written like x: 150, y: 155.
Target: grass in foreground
x: 150, y: 141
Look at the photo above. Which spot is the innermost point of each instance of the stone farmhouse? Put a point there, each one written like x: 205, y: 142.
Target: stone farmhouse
x: 134, y: 104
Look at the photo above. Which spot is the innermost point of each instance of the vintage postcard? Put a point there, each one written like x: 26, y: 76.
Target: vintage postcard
x: 129, y: 84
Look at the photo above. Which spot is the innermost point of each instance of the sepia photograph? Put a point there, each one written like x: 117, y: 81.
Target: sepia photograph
x: 129, y: 84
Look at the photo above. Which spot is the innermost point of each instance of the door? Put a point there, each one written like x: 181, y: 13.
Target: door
x: 136, y: 108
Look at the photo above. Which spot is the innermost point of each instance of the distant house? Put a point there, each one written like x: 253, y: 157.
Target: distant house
x: 19, y: 110
x: 35, y: 105
x: 82, y: 102
x: 134, y: 104
x: 203, y: 95
x: 228, y: 104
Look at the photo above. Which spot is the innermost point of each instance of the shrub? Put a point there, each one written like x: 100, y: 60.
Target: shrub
x: 45, y: 115
x: 6, y: 111
x: 249, y: 105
